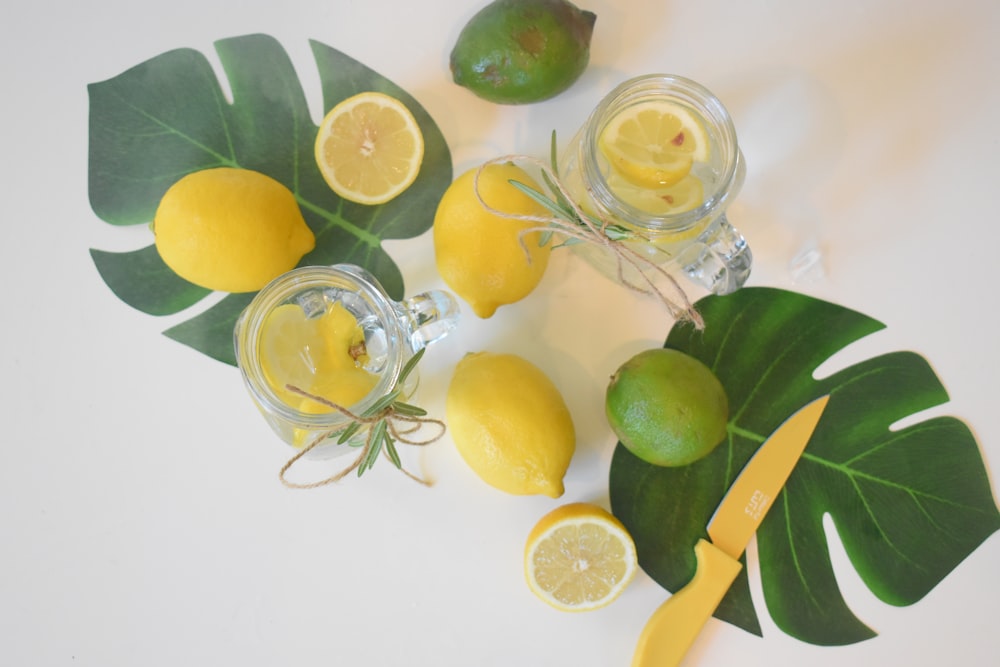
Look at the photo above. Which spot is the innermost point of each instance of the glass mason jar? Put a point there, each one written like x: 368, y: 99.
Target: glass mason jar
x: 700, y: 241
x: 393, y: 332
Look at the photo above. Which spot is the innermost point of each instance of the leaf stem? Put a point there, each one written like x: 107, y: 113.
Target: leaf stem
x: 744, y: 433
x: 334, y: 220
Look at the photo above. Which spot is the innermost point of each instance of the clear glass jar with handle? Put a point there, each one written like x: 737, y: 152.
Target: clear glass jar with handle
x: 393, y: 332
x: 675, y: 208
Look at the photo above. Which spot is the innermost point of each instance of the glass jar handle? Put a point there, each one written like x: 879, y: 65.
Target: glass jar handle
x: 429, y: 317
x: 425, y: 317
x: 720, y: 260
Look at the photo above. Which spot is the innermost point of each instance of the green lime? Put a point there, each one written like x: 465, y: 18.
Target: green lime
x: 667, y: 407
x: 521, y: 51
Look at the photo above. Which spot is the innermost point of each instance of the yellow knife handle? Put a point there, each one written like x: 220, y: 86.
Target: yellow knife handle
x: 673, y: 627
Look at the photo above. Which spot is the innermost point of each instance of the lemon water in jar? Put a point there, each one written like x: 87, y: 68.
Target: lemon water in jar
x: 332, y: 332
x: 658, y: 157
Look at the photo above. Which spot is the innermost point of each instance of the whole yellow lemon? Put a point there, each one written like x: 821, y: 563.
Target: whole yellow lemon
x: 510, y: 424
x: 479, y: 254
x: 230, y: 229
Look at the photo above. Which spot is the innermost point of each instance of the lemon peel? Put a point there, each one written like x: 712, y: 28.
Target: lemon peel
x: 486, y: 259
x: 230, y: 229
x: 510, y: 424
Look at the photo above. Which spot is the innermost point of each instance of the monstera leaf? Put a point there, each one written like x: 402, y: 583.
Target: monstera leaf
x: 909, y: 504
x: 169, y: 116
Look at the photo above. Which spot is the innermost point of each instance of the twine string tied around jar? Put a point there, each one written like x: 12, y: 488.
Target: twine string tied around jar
x: 388, y: 421
x: 578, y: 226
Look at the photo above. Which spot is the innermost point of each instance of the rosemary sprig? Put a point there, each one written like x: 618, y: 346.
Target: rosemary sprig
x: 562, y: 209
x: 388, y: 419
x: 380, y: 435
x: 634, y: 269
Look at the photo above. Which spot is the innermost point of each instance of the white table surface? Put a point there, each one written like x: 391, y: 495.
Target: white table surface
x: 143, y: 522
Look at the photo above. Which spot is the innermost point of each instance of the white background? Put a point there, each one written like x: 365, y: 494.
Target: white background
x: 142, y: 521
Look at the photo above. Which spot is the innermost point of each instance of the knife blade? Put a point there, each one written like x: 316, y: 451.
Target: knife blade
x: 673, y: 627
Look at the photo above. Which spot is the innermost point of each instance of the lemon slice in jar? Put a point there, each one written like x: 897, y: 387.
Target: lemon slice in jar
x: 654, y: 144
x: 323, y: 356
x: 684, y: 195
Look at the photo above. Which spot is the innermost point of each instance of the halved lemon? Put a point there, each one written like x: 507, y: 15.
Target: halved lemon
x: 369, y: 148
x: 579, y: 557
x: 654, y: 144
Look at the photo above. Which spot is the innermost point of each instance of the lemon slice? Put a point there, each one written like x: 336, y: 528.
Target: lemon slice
x: 292, y: 351
x: 654, y: 144
x: 369, y: 148
x: 318, y: 355
x: 579, y: 557
x: 684, y: 195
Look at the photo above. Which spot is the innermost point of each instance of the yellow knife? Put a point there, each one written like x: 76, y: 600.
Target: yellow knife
x: 674, y: 626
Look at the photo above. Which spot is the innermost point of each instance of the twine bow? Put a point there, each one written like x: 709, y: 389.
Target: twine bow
x: 388, y: 421
x: 569, y: 220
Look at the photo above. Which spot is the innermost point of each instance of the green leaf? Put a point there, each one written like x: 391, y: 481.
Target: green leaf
x: 408, y: 367
x: 617, y: 233
x: 554, y: 165
x: 382, y: 403
x: 143, y: 281
x: 351, y: 429
x: 409, y: 410
x: 568, y: 242
x: 211, y: 332
x: 390, y: 449
x: 554, y: 153
x: 543, y: 200
x: 168, y: 116
x: 909, y: 504
x: 378, y: 438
